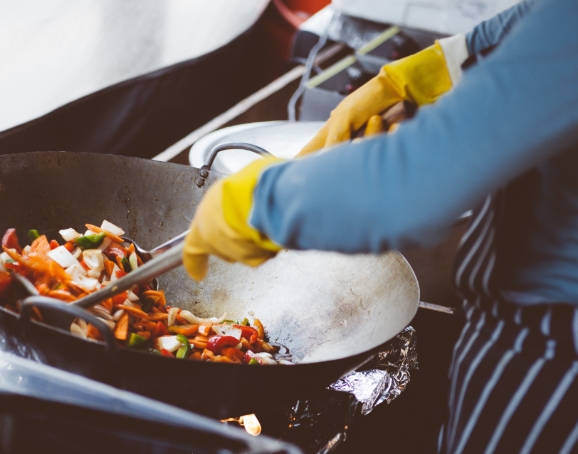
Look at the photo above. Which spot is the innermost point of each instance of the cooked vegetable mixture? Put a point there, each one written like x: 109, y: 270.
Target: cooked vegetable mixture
x: 140, y: 318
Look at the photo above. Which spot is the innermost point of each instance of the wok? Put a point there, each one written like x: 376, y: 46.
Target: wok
x: 331, y: 311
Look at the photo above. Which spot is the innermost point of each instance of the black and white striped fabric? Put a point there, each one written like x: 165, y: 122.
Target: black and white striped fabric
x: 513, y: 386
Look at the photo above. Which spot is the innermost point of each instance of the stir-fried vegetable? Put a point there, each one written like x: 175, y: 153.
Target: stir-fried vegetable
x: 140, y: 318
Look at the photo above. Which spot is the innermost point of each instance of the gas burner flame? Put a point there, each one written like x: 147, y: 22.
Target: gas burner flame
x: 249, y: 422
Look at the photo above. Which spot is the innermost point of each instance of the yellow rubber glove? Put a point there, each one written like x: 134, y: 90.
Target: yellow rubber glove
x: 221, y: 224
x: 420, y: 78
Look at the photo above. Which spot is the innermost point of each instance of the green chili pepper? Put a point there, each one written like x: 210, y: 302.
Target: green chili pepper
x: 33, y: 234
x: 244, y: 322
x: 135, y: 340
x: 228, y: 322
x: 90, y: 241
x: 146, y: 304
x: 254, y: 362
x: 125, y: 264
x: 185, y: 349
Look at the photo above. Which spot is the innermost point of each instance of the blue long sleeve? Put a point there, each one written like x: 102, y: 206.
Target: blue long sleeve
x: 491, y: 32
x: 516, y: 109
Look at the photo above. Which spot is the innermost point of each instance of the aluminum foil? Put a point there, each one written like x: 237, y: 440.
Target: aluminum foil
x: 385, y: 376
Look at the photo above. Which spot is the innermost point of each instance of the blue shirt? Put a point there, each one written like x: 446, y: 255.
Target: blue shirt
x: 515, y: 111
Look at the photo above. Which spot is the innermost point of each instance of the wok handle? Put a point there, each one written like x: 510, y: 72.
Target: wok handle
x: 204, y: 170
x: 75, y: 311
x: 151, y: 269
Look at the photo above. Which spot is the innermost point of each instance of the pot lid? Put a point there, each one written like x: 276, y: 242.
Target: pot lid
x: 283, y: 139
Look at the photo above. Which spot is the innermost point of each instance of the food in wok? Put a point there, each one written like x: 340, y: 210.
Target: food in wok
x: 140, y: 318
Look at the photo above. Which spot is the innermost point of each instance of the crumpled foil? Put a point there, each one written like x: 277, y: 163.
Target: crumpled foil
x: 385, y: 376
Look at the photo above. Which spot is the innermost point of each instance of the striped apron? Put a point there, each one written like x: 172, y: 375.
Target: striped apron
x: 512, y: 380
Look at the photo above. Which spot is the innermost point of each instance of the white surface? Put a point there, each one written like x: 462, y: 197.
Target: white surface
x: 283, y: 139
x: 56, y: 51
x: 442, y: 16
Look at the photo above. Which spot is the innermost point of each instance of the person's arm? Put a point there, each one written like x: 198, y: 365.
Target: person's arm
x: 513, y: 110
x: 491, y: 32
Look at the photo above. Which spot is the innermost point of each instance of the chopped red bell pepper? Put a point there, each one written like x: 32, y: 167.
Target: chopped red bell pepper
x: 167, y: 353
x: 215, y: 343
x: 17, y: 268
x: 53, y: 244
x: 5, y: 283
x: 121, y: 273
x: 10, y: 240
x: 248, y: 332
x: 112, y: 252
x: 160, y: 329
x: 120, y: 298
x: 70, y: 246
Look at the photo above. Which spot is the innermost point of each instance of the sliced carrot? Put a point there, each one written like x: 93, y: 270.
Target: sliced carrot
x: 221, y: 359
x: 61, y: 295
x: 130, y: 248
x: 158, y: 316
x: 54, y: 244
x: 108, y: 304
x: 207, y: 355
x: 118, y: 260
x: 69, y: 245
x: 180, y: 320
x: 121, y: 329
x: 120, y: 298
x: 233, y: 354
x: 133, y: 311
x: 145, y: 334
x: 108, y: 234
x: 145, y: 325
x: 259, y: 327
x: 93, y: 332
x: 158, y: 296
x: 84, y: 265
x: 37, y: 314
x: 205, y: 330
x: 185, y: 330
x: 196, y: 355
x: 109, y: 267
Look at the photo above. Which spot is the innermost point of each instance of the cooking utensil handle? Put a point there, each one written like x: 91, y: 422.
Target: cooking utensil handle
x: 169, y: 244
x: 43, y: 302
x: 151, y: 269
x: 233, y: 146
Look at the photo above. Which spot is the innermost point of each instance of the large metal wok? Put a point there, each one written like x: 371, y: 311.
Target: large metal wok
x: 331, y: 311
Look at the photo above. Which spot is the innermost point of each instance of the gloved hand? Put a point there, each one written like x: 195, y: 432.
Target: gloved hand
x: 420, y: 78
x: 221, y: 224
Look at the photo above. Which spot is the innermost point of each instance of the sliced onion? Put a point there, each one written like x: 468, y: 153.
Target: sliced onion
x: 264, y: 355
x: 76, y: 330
x: 172, y: 318
x: 93, y: 259
x: 133, y: 261
x: 69, y: 234
x: 132, y: 297
x: 192, y: 318
x: 169, y: 343
x: 117, y: 315
x: 110, y: 227
x: 110, y: 323
x: 61, y: 256
x: 285, y: 362
x: 228, y: 330
x: 102, y: 312
x: 105, y: 244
